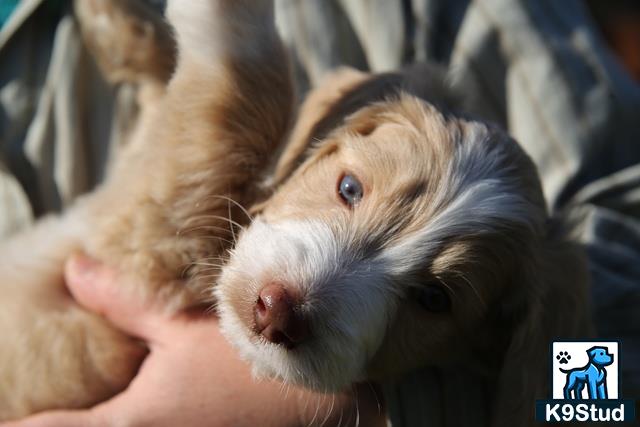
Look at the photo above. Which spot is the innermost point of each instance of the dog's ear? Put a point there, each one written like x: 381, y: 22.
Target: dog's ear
x: 319, y: 107
x: 548, y: 303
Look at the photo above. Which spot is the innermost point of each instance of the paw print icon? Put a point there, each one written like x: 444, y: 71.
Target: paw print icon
x: 563, y: 357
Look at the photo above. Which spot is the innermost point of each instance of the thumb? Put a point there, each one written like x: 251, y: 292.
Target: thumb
x: 102, y: 290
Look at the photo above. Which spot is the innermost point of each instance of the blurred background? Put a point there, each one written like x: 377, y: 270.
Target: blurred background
x: 563, y: 77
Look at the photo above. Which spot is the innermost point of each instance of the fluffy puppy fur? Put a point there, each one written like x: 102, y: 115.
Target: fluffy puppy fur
x: 202, y: 140
x: 449, y: 202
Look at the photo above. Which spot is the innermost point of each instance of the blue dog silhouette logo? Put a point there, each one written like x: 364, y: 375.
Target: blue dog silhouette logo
x: 593, y: 376
x: 585, y: 385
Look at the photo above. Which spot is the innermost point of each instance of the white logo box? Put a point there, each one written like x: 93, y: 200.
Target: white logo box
x: 579, y: 359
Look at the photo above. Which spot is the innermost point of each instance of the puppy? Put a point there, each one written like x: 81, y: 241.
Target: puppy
x: 202, y: 141
x: 402, y: 233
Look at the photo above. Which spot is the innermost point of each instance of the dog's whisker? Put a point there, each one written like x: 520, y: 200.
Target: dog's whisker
x: 357, y: 420
x: 306, y: 403
x: 211, y: 266
x: 446, y: 285
x: 184, y: 269
x: 217, y: 271
x: 341, y: 416
x: 310, y: 423
x: 233, y: 233
x: 191, y: 264
x: 375, y: 394
x: 214, y: 260
x: 235, y: 202
x: 348, y: 421
x: 473, y: 288
x: 286, y: 390
x: 210, y: 271
x: 202, y: 227
x: 211, y: 310
x: 330, y: 411
x: 217, y: 257
x: 206, y: 264
x: 242, y: 208
x: 218, y: 238
x: 212, y: 306
x: 221, y: 218
x: 319, y: 402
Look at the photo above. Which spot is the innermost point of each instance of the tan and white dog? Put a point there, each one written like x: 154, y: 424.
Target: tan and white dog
x: 393, y: 231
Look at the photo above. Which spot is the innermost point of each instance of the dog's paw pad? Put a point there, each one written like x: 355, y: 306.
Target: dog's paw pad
x: 563, y: 357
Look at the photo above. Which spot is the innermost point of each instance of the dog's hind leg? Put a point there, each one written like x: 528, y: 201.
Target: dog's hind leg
x: 225, y: 111
x: 132, y: 44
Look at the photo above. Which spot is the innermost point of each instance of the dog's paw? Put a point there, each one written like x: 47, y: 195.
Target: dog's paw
x: 563, y: 357
x: 129, y: 40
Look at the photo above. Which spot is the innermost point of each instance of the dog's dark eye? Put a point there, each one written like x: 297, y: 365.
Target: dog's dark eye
x: 435, y: 299
x: 350, y: 190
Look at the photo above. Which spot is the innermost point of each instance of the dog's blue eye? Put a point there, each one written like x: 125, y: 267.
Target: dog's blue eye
x: 350, y: 190
x: 435, y: 299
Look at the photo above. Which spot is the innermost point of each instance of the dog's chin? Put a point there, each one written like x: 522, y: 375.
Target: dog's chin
x: 320, y: 365
x: 297, y: 367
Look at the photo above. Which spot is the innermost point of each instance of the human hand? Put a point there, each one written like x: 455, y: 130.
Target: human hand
x: 192, y: 377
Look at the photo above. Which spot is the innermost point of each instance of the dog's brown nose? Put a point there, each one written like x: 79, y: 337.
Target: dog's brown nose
x: 277, y: 318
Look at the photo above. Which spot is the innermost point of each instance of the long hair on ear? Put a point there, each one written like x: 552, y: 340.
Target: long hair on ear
x: 550, y: 303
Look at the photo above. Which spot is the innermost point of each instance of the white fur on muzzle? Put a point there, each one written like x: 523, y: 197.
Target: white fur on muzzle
x: 346, y: 301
